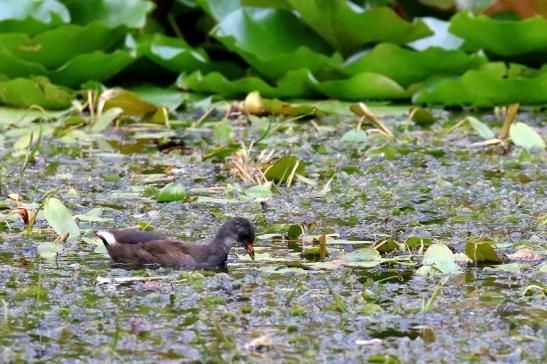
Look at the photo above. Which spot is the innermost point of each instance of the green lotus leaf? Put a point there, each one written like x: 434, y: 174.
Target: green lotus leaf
x: 24, y: 92
x: 406, y: 66
x: 274, y: 42
x: 113, y: 13
x: 486, y: 88
x: 54, y: 48
x: 96, y: 66
x: 502, y: 37
x: 347, y: 27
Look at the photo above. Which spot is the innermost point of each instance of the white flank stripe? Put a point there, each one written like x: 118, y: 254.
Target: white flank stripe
x: 107, y: 236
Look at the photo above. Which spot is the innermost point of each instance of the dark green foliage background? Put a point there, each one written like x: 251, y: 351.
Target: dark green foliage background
x: 287, y: 49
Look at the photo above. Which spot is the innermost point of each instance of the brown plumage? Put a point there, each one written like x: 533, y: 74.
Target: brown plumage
x: 137, y: 248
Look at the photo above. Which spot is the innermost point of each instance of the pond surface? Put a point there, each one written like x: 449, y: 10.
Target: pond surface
x: 428, y: 183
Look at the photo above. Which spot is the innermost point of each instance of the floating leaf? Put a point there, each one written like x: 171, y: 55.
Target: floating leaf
x: 49, y: 250
x: 482, y: 251
x: 171, y: 192
x: 295, y: 231
x: 510, y: 268
x: 422, y: 117
x: 363, y: 258
x: 482, y: 129
x: 23, y: 92
x: 130, y: 103
x: 161, y: 96
x: 284, y: 168
x: 60, y: 219
x: 363, y: 86
x: 386, y: 246
x: 526, y: 137
x: 356, y: 136
x: 106, y: 119
x: 441, y: 258
x: 93, y: 215
x: 260, y: 192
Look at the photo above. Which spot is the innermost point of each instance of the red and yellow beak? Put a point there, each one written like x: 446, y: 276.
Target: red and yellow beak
x: 250, y: 249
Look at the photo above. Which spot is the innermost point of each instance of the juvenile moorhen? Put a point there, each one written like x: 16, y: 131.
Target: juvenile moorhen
x: 137, y: 248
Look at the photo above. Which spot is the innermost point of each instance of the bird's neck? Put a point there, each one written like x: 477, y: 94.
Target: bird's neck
x: 223, y: 244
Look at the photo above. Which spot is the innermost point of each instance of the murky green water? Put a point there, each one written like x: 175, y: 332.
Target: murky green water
x: 427, y: 183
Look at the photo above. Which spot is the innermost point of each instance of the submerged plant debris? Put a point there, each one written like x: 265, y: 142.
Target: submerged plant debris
x: 370, y: 204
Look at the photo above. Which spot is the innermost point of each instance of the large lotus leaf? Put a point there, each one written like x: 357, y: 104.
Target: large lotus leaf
x: 347, y: 27
x: 406, y: 66
x: 95, y: 66
x: 53, y: 48
x: 43, y: 10
x: 14, y: 67
x: 363, y: 86
x: 219, y: 9
x: 299, y: 83
x: 486, y: 89
x: 172, y: 53
x: 24, y: 92
x: 29, y: 26
x: 131, y: 13
x: 31, y: 16
x: 502, y: 37
x: 273, y: 41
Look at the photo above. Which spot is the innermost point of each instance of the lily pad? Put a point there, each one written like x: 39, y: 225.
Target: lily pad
x: 25, y: 92
x: 482, y: 129
x: 355, y: 136
x: 482, y: 251
x: 60, y: 218
x: 171, y: 192
x: 363, y: 258
x: 284, y: 168
x: 295, y: 231
x: 49, y: 250
x: 510, y: 268
x: 259, y: 192
x: 526, y: 137
x: 440, y: 257
x: 363, y: 86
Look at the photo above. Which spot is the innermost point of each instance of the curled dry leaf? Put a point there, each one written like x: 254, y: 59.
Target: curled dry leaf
x: 24, y: 214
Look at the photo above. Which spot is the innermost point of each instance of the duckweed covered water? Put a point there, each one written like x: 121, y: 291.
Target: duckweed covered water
x: 427, y: 184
